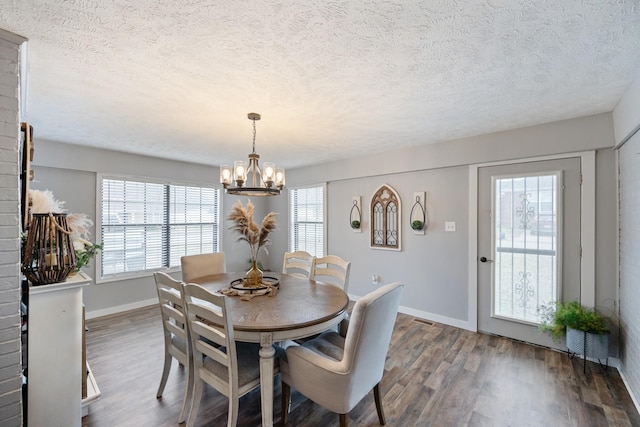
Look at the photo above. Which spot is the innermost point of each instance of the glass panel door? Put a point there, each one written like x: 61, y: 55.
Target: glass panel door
x: 528, y: 244
x: 526, y: 211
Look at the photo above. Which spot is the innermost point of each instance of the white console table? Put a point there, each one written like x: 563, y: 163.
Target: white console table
x: 55, y: 368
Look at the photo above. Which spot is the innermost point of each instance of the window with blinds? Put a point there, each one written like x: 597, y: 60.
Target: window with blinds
x: 148, y: 226
x: 306, y: 217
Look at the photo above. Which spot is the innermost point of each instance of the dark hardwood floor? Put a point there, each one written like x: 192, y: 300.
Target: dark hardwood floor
x: 435, y: 375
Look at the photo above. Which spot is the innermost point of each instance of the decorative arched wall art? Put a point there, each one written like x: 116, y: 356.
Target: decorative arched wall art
x: 385, y: 219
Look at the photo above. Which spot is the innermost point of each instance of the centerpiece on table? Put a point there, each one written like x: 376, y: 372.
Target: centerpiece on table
x: 256, y: 236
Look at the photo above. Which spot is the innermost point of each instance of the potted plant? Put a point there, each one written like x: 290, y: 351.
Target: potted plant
x: 355, y: 224
x: 417, y: 224
x: 85, y: 254
x: 585, y: 330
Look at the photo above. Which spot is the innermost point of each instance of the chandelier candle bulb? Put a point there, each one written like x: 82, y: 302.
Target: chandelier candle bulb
x: 225, y: 175
x: 280, y: 178
x: 239, y: 172
x: 269, y: 173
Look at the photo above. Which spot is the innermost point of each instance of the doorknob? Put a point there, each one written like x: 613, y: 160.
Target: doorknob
x: 484, y: 259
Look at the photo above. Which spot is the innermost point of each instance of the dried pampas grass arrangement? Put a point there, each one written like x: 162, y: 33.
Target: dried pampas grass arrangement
x: 43, y: 201
x: 256, y: 237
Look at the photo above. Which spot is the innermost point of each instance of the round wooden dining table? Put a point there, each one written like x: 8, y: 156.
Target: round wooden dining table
x: 300, y: 308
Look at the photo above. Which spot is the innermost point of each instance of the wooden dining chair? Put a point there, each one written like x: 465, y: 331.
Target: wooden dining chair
x: 334, y: 270
x: 176, y: 340
x: 195, y: 266
x: 230, y: 367
x: 336, y: 370
x: 299, y: 264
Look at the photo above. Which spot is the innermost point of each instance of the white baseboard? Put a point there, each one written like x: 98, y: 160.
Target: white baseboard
x: 462, y: 324
x: 120, y: 308
x: 629, y: 390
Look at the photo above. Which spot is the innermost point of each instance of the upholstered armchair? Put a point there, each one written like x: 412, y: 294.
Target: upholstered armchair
x: 337, y: 370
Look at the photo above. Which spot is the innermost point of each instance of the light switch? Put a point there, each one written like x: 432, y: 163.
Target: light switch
x: 449, y: 226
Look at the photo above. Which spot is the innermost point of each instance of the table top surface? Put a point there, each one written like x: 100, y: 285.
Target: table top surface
x: 297, y: 304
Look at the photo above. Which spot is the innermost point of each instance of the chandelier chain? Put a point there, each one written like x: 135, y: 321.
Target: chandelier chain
x: 254, y: 136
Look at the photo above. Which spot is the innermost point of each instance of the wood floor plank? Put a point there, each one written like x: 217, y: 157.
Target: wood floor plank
x: 435, y: 375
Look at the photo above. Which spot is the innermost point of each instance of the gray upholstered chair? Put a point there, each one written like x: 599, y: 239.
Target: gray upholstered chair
x: 333, y: 269
x: 175, y: 333
x: 299, y: 264
x: 230, y: 367
x: 195, y: 266
x: 337, y: 370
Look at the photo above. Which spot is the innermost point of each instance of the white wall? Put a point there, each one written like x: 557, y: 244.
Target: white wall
x: 434, y: 266
x: 625, y: 116
x: 10, y: 331
x: 630, y: 261
x: 567, y: 136
x: 71, y: 171
x: 627, y: 122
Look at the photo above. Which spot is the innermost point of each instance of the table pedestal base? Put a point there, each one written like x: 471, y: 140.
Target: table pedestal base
x: 267, y: 353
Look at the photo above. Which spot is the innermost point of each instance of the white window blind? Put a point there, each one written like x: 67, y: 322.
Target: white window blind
x: 307, y: 220
x: 149, y: 226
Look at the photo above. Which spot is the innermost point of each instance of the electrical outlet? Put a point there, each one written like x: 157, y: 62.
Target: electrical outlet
x: 449, y: 226
x: 375, y: 279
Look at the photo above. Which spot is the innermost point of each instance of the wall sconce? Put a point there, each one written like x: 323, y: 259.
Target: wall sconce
x: 418, y: 215
x: 355, y: 216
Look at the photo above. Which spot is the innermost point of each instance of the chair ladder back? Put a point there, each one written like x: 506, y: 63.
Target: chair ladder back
x: 299, y: 264
x: 176, y: 336
x: 333, y: 269
x: 209, y: 323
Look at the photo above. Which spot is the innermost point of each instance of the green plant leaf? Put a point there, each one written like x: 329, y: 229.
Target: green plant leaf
x: 556, y: 317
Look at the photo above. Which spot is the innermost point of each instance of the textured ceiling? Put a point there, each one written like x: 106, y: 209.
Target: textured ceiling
x: 331, y: 79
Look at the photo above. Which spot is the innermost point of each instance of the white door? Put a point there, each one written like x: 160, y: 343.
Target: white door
x: 528, y: 244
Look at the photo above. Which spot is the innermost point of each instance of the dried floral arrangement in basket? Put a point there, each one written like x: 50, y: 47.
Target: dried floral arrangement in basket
x: 56, y: 243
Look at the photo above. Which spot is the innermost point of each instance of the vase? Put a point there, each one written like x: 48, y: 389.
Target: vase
x: 253, y: 277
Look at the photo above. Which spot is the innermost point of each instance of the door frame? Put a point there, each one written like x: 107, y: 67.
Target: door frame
x: 587, y: 228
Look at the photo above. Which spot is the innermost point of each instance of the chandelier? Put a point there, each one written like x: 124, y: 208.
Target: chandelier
x: 251, y: 180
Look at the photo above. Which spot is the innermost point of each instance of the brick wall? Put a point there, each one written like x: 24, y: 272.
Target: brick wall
x: 629, y: 194
x: 10, y: 349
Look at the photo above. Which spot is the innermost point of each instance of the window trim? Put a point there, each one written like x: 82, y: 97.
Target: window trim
x: 324, y: 214
x: 151, y: 180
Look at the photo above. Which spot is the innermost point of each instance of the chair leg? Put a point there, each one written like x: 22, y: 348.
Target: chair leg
x: 165, y: 373
x: 286, y: 402
x: 378, y: 399
x: 195, y: 403
x: 232, y: 417
x: 188, y: 390
x: 344, y: 420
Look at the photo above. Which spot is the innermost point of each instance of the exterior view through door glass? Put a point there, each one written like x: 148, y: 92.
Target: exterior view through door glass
x: 525, y: 246
x: 528, y: 244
